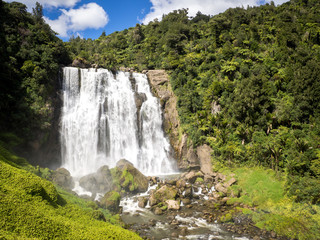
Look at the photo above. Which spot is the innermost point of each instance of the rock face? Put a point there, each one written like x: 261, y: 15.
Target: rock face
x: 80, y: 63
x: 186, y: 155
x: 204, y: 154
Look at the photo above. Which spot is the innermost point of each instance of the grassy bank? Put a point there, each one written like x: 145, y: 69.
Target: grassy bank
x: 274, y: 211
x: 32, y: 207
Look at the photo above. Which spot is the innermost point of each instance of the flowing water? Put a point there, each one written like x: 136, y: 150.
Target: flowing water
x: 99, y: 123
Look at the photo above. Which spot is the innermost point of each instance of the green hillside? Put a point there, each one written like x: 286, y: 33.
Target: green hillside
x: 32, y: 208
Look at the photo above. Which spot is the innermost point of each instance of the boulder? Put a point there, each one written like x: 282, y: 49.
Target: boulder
x: 181, y: 183
x: 158, y: 211
x: 163, y: 194
x: 142, y: 202
x: 63, y: 178
x: 111, y: 201
x: 188, y: 192
x: 173, y: 204
x: 99, y: 182
x: 220, y: 188
x: 130, y: 178
x: 152, y: 200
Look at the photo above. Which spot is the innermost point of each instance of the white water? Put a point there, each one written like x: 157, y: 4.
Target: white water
x: 99, y: 123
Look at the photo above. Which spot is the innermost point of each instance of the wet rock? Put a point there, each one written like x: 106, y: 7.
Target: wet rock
x: 186, y: 201
x: 130, y: 178
x: 256, y: 238
x: 139, y: 98
x: 191, y: 177
x: 153, y: 180
x: 188, y: 193
x: 63, y: 178
x: 189, y: 206
x: 152, y: 200
x: 173, y: 204
x: 142, y: 202
x: 165, y: 193
x: 181, y: 183
x: 111, y: 201
x: 101, y: 181
x: 158, y: 211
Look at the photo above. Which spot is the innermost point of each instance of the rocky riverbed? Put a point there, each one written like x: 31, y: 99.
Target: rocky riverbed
x: 190, y: 205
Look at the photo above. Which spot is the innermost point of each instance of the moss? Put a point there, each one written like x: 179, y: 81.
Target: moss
x: 199, y: 180
x: 164, y: 208
x: 226, y: 218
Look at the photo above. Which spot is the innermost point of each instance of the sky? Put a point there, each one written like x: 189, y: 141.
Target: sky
x: 89, y: 18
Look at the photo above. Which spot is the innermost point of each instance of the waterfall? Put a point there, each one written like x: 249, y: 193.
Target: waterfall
x: 100, y: 123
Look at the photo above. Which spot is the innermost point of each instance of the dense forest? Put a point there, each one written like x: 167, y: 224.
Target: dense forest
x: 30, y: 55
x: 247, y: 83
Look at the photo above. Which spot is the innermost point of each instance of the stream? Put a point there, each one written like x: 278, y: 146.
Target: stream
x: 186, y: 223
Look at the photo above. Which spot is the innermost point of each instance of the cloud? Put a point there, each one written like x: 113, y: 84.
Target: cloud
x: 212, y: 7
x: 90, y: 15
x: 45, y: 3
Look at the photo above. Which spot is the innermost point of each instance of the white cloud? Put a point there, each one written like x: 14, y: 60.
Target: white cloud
x: 51, y: 3
x: 212, y: 7
x: 90, y: 15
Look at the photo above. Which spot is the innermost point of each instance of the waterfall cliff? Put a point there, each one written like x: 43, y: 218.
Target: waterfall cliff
x: 101, y: 123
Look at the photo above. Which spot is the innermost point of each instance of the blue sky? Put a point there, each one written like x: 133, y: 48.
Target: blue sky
x: 89, y: 18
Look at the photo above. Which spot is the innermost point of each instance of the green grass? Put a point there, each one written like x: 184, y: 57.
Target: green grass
x: 32, y: 207
x: 274, y: 210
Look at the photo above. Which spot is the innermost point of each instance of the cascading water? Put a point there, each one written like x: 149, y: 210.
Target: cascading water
x: 99, y: 123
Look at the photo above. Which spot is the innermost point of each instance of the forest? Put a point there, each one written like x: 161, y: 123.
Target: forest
x: 247, y: 81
